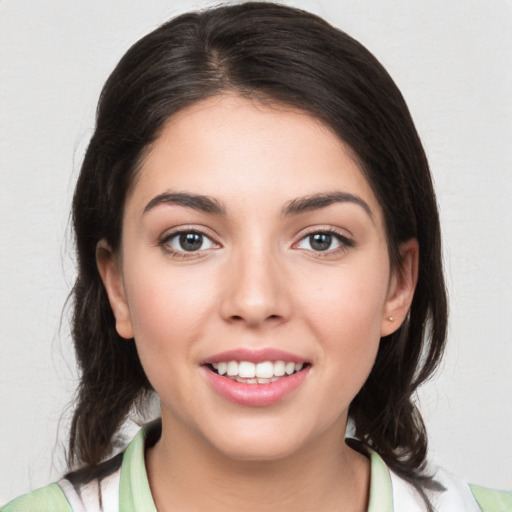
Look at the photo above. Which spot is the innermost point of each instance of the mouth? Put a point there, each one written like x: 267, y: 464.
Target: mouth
x: 256, y: 378
x: 264, y: 372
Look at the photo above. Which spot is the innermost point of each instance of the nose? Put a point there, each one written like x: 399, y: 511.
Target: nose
x: 254, y: 291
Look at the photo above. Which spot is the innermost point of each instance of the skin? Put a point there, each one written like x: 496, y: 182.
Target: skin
x: 256, y: 282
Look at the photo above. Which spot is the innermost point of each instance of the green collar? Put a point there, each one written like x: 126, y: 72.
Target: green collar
x: 135, y: 494
x: 134, y: 491
x: 381, y: 491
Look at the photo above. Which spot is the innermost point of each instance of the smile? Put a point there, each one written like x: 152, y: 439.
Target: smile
x: 255, y: 378
x: 248, y: 372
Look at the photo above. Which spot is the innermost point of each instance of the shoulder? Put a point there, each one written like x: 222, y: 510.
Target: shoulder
x: 450, y: 494
x: 47, y: 499
x: 487, y: 500
x: 491, y: 500
x: 88, y: 489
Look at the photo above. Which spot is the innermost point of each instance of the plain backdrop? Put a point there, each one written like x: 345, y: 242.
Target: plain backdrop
x: 452, y: 61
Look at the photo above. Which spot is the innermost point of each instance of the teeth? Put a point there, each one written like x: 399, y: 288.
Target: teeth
x: 246, y: 381
x: 262, y: 373
x: 267, y: 381
x: 247, y: 370
x: 265, y: 370
x: 279, y: 368
x: 232, y: 368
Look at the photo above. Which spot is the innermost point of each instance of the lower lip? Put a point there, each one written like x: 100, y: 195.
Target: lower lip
x: 255, y: 395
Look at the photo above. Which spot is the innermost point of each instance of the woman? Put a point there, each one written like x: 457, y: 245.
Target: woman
x: 258, y: 243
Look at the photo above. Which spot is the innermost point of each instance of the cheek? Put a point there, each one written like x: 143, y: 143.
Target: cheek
x: 344, y: 312
x: 168, y: 308
x: 350, y: 301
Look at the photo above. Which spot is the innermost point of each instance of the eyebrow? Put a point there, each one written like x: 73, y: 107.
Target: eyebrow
x: 294, y: 207
x: 322, y: 200
x: 197, y: 202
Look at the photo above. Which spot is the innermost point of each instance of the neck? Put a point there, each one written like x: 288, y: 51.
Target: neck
x: 186, y: 473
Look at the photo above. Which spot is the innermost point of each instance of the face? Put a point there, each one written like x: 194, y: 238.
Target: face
x: 254, y: 276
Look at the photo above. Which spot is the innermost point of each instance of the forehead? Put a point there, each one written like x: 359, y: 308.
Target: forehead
x: 234, y: 148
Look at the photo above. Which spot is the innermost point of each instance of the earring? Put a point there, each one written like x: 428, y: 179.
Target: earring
x: 391, y: 319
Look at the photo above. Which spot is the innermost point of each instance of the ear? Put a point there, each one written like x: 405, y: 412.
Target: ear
x: 110, y: 271
x: 401, y: 288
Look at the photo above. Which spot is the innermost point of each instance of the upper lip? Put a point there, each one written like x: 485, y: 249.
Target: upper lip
x: 254, y: 356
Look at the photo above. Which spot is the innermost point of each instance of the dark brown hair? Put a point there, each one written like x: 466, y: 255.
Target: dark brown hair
x: 280, y: 54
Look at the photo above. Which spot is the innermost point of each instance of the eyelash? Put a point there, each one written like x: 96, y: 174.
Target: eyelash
x: 164, y: 242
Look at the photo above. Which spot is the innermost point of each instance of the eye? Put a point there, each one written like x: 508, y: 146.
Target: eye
x: 187, y: 242
x: 324, y: 241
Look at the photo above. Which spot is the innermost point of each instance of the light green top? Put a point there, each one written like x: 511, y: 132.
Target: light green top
x: 135, y: 493
x: 47, y: 499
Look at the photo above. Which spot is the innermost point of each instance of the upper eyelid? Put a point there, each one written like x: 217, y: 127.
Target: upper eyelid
x: 342, y: 233
x: 171, y: 232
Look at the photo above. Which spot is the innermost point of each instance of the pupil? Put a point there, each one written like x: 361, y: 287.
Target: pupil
x: 320, y: 241
x: 191, y: 241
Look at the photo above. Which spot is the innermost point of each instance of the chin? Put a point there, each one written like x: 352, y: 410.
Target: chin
x: 258, y: 443
x: 259, y: 452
